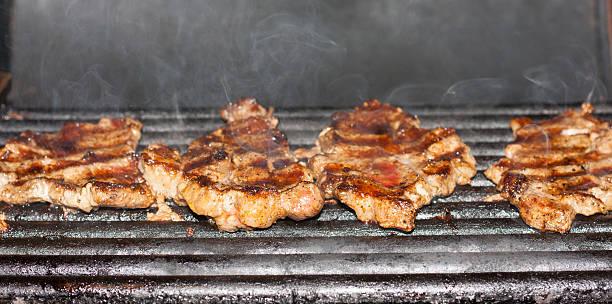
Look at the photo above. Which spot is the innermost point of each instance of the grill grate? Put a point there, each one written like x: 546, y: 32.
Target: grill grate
x: 483, y: 252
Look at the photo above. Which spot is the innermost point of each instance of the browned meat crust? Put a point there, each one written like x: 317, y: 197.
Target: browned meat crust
x: 83, y: 166
x: 243, y: 175
x: 557, y: 168
x: 161, y: 168
x: 378, y: 161
x: 4, y: 227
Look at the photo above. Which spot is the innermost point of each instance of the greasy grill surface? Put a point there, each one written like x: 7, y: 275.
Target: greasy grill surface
x: 462, y: 249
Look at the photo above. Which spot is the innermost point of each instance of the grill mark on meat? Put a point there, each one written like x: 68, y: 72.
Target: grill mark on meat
x: 552, y: 178
x: 430, y: 138
x: 83, y: 166
x: 37, y: 168
x: 436, y: 168
x: 174, y: 167
x: 378, y: 161
x: 277, y: 181
x: 201, y: 161
x: 219, y: 154
x: 449, y: 156
x: 393, y: 146
x: 441, y: 164
x: 543, y: 162
x: 203, y: 157
x: 410, y: 133
x: 361, y: 184
x: 73, y: 138
x: 280, y: 164
x: 120, y: 169
x: 583, y: 185
x: 602, y: 171
x: 381, y: 140
x: 242, y: 175
x: 121, y: 175
x: 202, y: 180
x: 260, y: 163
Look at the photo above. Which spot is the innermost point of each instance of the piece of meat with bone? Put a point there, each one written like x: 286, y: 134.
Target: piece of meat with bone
x: 243, y: 175
x: 83, y: 166
x: 557, y: 168
x: 378, y: 161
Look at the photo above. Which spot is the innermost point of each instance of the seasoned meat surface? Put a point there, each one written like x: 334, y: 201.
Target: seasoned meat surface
x: 557, y: 168
x: 161, y: 168
x: 378, y: 161
x: 83, y: 166
x: 242, y: 175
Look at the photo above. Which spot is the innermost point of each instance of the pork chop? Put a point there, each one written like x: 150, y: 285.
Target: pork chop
x: 381, y: 163
x: 243, y: 175
x: 557, y: 168
x: 83, y: 166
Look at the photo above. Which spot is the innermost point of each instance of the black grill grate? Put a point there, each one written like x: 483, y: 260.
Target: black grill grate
x: 482, y: 252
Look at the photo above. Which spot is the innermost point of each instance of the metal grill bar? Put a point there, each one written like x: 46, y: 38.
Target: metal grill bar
x: 482, y: 252
x: 441, y: 288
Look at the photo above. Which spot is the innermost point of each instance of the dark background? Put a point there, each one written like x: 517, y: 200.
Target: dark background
x: 5, y: 18
x: 178, y: 54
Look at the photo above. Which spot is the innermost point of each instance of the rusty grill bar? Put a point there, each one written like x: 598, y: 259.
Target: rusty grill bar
x: 462, y: 249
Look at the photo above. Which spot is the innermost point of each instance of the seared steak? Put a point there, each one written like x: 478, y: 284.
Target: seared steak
x: 243, y: 175
x: 378, y: 161
x: 557, y: 168
x: 83, y: 166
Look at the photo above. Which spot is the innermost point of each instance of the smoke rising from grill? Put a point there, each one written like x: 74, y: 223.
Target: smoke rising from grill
x: 478, y: 91
x: 285, y: 50
x: 348, y: 89
x: 418, y: 93
x: 90, y: 88
x: 173, y: 55
x: 568, y: 78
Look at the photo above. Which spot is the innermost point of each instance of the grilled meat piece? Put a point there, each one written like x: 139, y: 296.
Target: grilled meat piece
x: 161, y: 168
x: 378, y: 161
x: 557, y: 168
x: 4, y: 227
x: 83, y: 166
x: 243, y: 175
